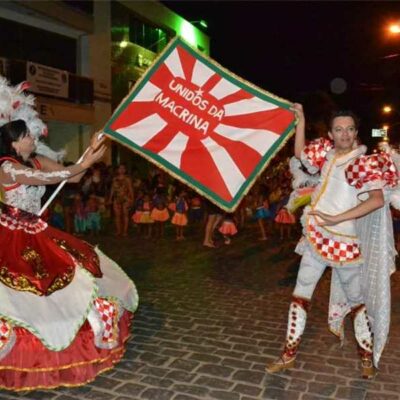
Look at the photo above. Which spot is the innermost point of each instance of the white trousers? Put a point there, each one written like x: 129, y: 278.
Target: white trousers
x: 311, y: 270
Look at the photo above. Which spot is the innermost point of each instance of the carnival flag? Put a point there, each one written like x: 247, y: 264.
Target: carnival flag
x: 202, y: 124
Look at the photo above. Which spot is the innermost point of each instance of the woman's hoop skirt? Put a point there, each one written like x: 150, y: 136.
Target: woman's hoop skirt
x: 65, y: 307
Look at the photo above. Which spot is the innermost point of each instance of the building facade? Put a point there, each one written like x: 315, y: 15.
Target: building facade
x: 82, y: 57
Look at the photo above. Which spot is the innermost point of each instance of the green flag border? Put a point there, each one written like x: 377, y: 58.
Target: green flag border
x: 160, y: 162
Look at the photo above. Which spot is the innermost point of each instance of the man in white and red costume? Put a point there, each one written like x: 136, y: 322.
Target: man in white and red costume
x: 348, y: 227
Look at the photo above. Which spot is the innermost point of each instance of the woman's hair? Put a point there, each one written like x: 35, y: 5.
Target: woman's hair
x: 11, y: 132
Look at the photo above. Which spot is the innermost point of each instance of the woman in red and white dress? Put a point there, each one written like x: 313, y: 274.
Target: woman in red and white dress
x: 65, y: 307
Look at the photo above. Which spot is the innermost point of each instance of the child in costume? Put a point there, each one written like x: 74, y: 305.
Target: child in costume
x: 179, y: 218
x: 159, y: 213
x: 228, y: 228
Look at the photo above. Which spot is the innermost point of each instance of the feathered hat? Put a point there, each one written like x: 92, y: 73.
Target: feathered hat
x: 14, y: 105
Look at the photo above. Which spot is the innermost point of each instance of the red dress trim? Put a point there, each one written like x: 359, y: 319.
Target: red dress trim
x: 31, y: 366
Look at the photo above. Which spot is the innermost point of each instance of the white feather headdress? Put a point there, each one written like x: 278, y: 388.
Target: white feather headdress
x: 14, y: 105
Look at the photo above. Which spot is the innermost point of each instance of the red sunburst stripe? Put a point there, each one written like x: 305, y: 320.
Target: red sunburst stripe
x: 236, y: 96
x: 133, y: 113
x: 187, y: 62
x: 274, y: 120
x: 160, y: 141
x: 245, y: 158
x: 161, y: 77
x: 197, y: 162
x: 212, y: 81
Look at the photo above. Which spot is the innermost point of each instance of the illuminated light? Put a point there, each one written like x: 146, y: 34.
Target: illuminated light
x: 203, y: 23
x: 385, y: 127
x: 387, y: 109
x: 123, y: 44
x: 188, y: 33
x: 394, y: 28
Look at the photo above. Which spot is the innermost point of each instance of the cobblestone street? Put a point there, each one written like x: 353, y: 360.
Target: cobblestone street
x: 210, y: 319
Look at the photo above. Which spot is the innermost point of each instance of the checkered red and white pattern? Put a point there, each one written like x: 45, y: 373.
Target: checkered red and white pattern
x: 375, y: 167
x: 109, y: 318
x: 333, y: 250
x: 5, y: 332
x: 28, y: 226
x: 315, y: 152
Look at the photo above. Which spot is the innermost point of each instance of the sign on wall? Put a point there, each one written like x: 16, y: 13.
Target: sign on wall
x: 47, y: 80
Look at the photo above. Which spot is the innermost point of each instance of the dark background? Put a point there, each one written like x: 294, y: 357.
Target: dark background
x: 297, y: 49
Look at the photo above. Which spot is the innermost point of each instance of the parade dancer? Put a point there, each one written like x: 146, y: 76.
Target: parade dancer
x: 347, y: 227
x: 65, y: 307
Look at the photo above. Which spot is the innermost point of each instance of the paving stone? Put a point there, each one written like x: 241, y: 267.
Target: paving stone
x: 97, y: 395
x: 216, y: 370
x: 279, y: 394
x: 213, y: 382
x: 205, y: 358
x: 159, y: 394
x: 323, y: 389
x: 39, y: 395
x: 181, y: 376
x: 186, y: 365
x: 132, y: 389
x: 232, y: 362
x: 106, y: 383
x: 191, y: 389
x: 174, y: 353
x: 157, y: 382
x: 248, y: 376
x: 222, y: 395
x: 247, y: 389
x: 350, y: 393
x: 380, y: 396
x: 153, y: 359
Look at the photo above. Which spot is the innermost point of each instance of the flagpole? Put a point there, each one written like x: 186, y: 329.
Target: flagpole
x: 62, y: 184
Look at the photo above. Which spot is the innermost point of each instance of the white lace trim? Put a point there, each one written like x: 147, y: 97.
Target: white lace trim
x: 9, y: 168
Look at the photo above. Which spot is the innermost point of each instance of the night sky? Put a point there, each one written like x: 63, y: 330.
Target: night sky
x: 294, y: 49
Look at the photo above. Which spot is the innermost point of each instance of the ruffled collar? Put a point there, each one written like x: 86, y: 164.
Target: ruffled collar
x: 345, y: 158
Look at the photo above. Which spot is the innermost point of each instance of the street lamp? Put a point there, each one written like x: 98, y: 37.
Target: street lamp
x: 387, y: 109
x: 201, y: 22
x: 394, y: 28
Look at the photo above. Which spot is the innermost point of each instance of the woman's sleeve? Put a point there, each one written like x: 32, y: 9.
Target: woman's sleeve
x: 17, y: 173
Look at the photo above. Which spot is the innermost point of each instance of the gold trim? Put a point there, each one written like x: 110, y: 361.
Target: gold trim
x: 20, y: 283
x: 30, y: 388
x: 63, y: 367
x: 32, y: 257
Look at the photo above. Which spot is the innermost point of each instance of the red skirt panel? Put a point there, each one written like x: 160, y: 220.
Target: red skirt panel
x: 31, y: 366
x: 36, y: 257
